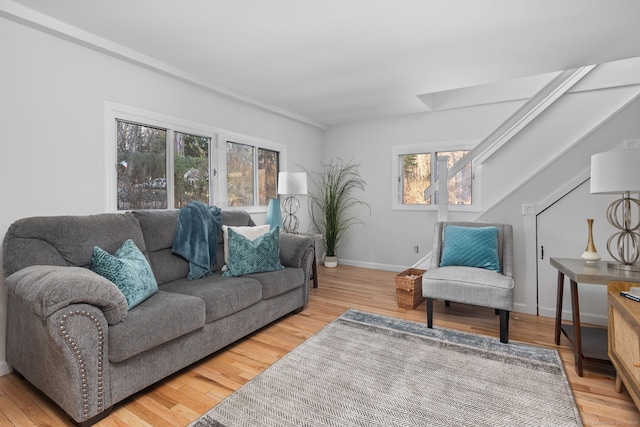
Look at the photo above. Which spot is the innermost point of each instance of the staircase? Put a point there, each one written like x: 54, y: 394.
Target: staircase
x: 546, y: 127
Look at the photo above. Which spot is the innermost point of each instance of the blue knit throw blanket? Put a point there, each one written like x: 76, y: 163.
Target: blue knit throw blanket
x: 196, y: 237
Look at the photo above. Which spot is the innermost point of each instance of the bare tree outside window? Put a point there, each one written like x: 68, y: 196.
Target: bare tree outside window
x: 161, y: 164
x: 460, y: 184
x: 421, y: 169
x: 239, y: 174
x: 416, y: 169
x: 141, y: 166
x: 267, y: 176
x: 252, y: 175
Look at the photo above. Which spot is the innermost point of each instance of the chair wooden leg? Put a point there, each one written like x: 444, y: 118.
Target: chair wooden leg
x: 429, y: 312
x: 504, y: 326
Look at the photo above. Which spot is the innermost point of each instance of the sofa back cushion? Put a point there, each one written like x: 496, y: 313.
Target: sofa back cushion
x: 67, y: 240
x: 159, y: 229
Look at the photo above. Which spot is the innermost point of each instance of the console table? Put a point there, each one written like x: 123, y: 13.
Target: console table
x: 588, y: 343
x: 624, y: 339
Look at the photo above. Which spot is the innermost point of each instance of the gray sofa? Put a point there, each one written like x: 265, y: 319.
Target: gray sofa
x: 70, y: 332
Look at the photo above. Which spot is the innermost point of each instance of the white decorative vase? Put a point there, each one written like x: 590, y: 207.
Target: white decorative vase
x: 590, y: 255
x: 330, y: 261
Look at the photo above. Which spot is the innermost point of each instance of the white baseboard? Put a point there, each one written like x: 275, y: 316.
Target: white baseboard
x: 519, y: 307
x: 371, y: 265
x: 424, y: 263
x: 5, y: 368
x: 593, y: 319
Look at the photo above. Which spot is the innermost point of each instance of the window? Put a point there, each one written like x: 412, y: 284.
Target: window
x: 252, y: 174
x: 416, y: 168
x: 162, y: 162
x: 142, y: 167
x: 191, y: 168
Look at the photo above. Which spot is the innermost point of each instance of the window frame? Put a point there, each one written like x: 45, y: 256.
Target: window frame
x: 256, y: 143
x: 397, y: 151
x: 217, y: 153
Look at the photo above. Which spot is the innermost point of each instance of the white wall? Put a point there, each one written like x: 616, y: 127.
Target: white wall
x: 52, y: 114
x: 561, y: 139
x: 539, y: 191
x: 552, y: 151
x: 389, y: 236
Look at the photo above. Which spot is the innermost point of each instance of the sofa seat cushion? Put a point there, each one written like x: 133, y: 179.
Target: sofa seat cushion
x: 477, y: 286
x: 276, y: 283
x: 159, y: 319
x: 222, y: 296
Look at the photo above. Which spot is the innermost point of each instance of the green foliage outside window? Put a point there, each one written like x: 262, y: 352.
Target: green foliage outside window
x: 190, y: 169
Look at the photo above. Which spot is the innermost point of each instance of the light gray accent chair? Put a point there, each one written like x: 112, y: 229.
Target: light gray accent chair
x: 472, y: 285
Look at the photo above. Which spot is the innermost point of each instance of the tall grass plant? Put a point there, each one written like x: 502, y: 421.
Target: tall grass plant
x: 333, y: 201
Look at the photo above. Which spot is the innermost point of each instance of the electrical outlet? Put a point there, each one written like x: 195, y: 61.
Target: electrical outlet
x: 416, y: 249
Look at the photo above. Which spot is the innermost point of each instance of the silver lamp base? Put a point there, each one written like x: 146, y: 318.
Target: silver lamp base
x: 624, y: 246
x: 291, y: 205
x: 625, y: 267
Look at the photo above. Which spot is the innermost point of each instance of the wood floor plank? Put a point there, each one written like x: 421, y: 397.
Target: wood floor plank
x: 186, y: 395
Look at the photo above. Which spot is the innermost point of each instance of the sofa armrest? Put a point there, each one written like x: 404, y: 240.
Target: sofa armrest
x: 64, y: 355
x: 45, y: 289
x: 293, y: 248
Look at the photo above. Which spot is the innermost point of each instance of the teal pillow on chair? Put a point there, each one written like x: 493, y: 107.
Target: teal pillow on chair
x: 470, y: 247
x: 253, y: 256
x: 128, y: 269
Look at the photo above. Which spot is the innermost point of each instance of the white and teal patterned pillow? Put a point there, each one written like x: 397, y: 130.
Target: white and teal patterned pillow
x: 470, y: 247
x: 128, y: 269
x: 251, y: 232
x: 253, y: 256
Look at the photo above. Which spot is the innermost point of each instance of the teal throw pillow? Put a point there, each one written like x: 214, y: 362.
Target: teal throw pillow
x: 470, y: 247
x: 128, y: 269
x: 253, y: 256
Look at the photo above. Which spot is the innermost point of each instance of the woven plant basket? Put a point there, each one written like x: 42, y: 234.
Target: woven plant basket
x: 409, y: 288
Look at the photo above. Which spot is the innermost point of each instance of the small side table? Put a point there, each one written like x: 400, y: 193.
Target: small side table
x: 314, y: 267
x: 588, y: 343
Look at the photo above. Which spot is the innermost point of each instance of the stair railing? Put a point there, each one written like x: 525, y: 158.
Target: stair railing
x: 531, y: 109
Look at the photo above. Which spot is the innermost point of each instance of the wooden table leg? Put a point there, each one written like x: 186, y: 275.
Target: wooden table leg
x: 314, y: 268
x: 559, y: 307
x: 618, y: 386
x: 577, y: 335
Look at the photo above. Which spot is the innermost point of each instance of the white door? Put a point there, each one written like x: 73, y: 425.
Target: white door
x: 563, y: 233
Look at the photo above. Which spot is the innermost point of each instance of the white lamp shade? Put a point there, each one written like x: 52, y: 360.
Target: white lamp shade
x: 292, y: 183
x: 616, y: 171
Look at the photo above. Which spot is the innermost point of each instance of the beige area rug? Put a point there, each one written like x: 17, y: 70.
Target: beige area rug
x: 369, y: 370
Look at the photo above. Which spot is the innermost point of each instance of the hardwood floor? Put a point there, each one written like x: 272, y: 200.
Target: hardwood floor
x: 188, y: 394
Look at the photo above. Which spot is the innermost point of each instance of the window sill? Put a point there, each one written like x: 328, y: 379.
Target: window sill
x: 434, y: 208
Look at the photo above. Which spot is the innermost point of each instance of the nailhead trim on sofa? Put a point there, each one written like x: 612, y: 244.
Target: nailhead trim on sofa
x: 80, y: 360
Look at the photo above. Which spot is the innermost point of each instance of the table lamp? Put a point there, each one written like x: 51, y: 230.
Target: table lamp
x: 292, y: 184
x: 618, y: 172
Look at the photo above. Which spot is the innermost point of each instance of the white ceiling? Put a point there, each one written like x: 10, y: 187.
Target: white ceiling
x: 336, y: 61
